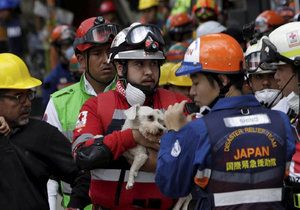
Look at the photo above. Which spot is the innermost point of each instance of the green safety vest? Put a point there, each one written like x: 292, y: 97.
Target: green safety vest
x: 68, y: 102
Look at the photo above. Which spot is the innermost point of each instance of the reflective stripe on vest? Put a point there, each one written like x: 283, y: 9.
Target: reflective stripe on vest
x: 253, y: 178
x: 81, y: 139
x: 248, y: 196
x: 114, y: 174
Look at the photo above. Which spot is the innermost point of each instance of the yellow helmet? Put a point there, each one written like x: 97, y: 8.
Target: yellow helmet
x: 145, y: 4
x: 184, y: 80
x: 14, y: 73
x: 164, y: 73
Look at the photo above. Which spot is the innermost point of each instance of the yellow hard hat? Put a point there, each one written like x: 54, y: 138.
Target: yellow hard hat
x: 184, y: 80
x: 145, y: 4
x: 164, y: 73
x: 14, y: 73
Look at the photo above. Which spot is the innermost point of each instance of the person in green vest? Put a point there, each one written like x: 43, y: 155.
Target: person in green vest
x: 91, y: 44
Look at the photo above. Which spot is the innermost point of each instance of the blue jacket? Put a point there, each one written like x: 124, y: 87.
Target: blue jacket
x: 189, y: 150
x: 58, y: 78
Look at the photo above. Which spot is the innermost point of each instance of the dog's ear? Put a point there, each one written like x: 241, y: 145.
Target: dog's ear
x: 131, y: 113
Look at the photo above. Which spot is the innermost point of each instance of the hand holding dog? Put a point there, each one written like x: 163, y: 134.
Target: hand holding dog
x: 175, y: 117
x: 140, y: 139
x: 4, y: 128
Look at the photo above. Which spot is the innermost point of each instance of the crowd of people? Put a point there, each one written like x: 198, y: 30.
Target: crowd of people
x: 230, y: 103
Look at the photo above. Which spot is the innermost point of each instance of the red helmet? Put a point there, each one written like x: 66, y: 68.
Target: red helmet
x: 107, y: 7
x: 62, y: 34
x: 94, y: 31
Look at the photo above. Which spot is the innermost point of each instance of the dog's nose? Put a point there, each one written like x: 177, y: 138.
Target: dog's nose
x: 160, y: 130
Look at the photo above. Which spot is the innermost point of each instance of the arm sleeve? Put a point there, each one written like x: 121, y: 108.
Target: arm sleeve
x: 64, y: 167
x: 181, y: 154
x: 51, y: 116
x: 88, y: 129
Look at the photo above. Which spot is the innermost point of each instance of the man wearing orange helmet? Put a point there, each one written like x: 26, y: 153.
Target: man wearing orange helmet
x: 62, y: 38
x: 180, y: 27
x: 267, y: 21
x: 235, y: 156
x: 93, y: 39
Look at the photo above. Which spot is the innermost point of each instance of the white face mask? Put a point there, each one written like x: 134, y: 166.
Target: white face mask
x: 68, y: 53
x: 293, y: 101
x: 134, y: 95
x: 267, y: 96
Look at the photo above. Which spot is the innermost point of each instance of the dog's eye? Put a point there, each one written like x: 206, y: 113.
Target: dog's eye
x: 151, y: 118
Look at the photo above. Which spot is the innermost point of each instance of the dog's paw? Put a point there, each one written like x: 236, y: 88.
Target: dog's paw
x: 129, y: 185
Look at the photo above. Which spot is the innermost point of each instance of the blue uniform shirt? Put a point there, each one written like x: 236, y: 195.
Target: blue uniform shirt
x: 184, y: 152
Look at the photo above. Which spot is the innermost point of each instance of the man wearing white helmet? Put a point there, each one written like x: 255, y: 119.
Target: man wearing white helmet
x: 99, y: 143
x: 261, y: 81
x: 282, y: 47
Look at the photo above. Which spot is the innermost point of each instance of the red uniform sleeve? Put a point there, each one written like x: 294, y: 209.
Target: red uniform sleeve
x: 89, y: 124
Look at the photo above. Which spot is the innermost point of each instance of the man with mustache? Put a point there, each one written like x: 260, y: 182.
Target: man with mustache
x: 31, y: 150
x: 99, y: 143
x: 92, y: 41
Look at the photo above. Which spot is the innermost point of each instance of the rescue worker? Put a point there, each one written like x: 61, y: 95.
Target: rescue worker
x: 281, y: 47
x: 62, y: 38
x: 92, y: 41
x: 33, y: 150
x: 267, y: 21
x: 149, y: 11
x: 205, y: 10
x: 10, y: 24
x: 237, y: 153
x: 262, y: 82
x: 107, y: 9
x: 180, y: 84
x: 99, y: 142
x: 180, y: 27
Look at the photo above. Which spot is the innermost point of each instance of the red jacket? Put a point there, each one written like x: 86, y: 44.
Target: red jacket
x: 103, y: 115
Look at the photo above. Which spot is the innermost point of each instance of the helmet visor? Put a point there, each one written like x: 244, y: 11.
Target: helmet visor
x: 139, y: 33
x: 99, y: 35
x: 253, y: 62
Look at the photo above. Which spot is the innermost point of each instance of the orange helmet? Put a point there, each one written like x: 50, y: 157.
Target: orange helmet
x: 180, y: 23
x: 62, y: 34
x: 94, y: 31
x: 107, y: 6
x: 215, y: 53
x: 268, y: 20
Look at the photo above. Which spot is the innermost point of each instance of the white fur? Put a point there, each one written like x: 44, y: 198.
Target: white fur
x: 147, y: 121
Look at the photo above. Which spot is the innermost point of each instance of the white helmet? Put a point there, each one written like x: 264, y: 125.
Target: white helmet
x: 252, y: 60
x: 283, y: 45
x: 138, y: 41
x: 210, y: 27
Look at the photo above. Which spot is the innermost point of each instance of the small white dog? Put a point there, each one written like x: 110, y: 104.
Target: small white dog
x: 150, y: 123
